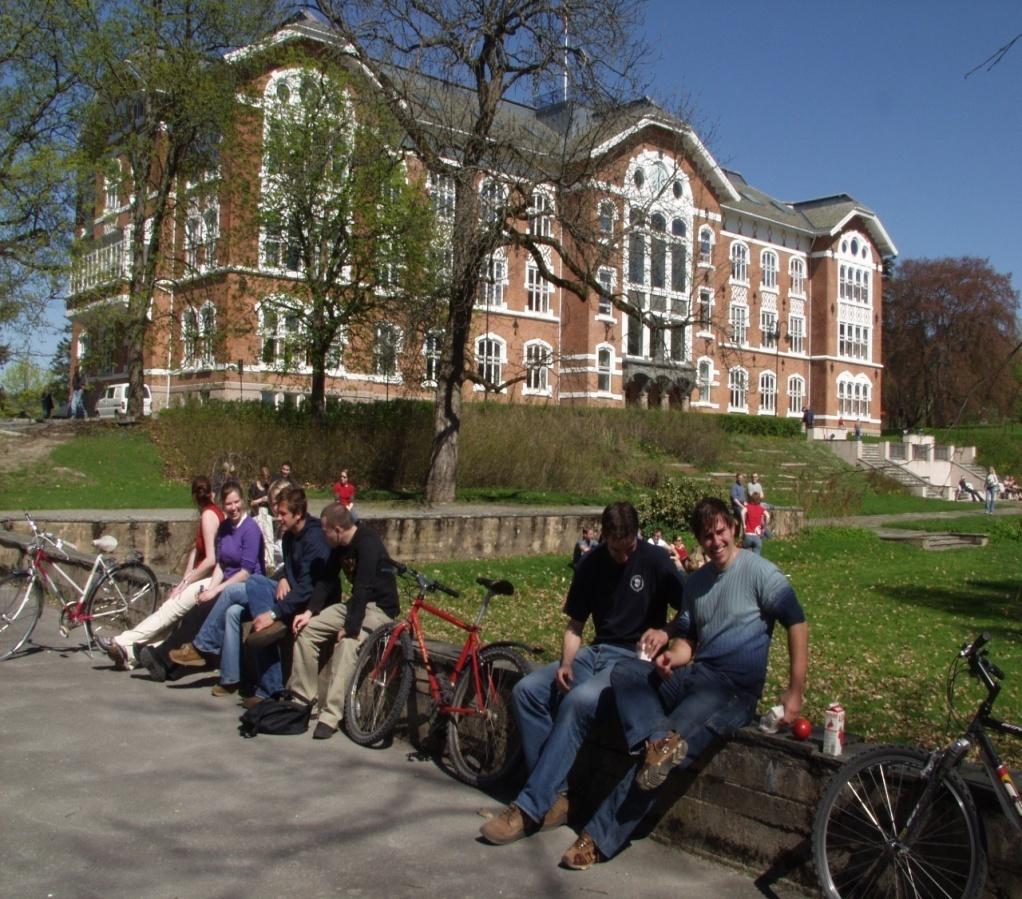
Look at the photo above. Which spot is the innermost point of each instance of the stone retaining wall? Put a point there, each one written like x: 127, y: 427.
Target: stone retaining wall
x: 431, y: 537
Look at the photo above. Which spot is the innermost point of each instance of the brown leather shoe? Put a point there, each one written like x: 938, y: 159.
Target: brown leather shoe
x: 581, y: 854
x: 225, y: 689
x: 661, y: 757
x: 557, y: 814
x: 251, y: 702
x: 116, y: 653
x: 188, y: 656
x: 510, y: 825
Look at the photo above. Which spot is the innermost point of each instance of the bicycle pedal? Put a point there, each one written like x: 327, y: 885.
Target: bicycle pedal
x: 64, y: 632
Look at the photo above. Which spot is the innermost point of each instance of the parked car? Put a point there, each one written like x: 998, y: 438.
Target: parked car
x: 114, y: 401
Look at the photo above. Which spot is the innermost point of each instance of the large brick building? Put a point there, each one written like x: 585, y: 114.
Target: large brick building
x: 749, y: 305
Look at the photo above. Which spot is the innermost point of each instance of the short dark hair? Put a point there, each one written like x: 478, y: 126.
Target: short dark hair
x: 706, y: 513
x: 337, y: 515
x: 294, y: 499
x: 619, y: 520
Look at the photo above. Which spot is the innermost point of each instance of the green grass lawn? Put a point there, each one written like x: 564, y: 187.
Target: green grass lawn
x: 885, y: 621
x: 106, y: 469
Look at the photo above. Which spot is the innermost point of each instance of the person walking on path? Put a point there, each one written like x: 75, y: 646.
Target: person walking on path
x: 992, y: 488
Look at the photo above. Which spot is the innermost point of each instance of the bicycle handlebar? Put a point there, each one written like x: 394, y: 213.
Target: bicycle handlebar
x: 424, y: 582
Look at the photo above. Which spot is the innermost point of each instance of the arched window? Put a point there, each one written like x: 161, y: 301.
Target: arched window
x: 658, y: 252
x: 739, y: 262
x: 189, y: 337
x: 207, y: 332
x: 705, y: 246
x: 280, y: 330
x: 796, y: 394
x: 768, y: 393
x: 538, y: 358
x: 738, y: 390
x: 797, y: 276
x: 491, y: 354
x: 491, y: 286
x: 431, y: 351
x: 493, y: 202
x: 541, y: 214
x: 704, y: 379
x: 604, y: 369
x: 854, y: 394
x: 636, y: 248
x: 768, y: 264
x: 605, y: 218
x: 537, y: 288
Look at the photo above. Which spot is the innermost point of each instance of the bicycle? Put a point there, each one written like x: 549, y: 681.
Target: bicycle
x: 115, y: 596
x: 898, y: 821
x: 482, y: 734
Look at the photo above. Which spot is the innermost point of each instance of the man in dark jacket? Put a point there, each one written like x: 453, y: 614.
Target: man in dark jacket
x: 342, y: 626
x: 269, y: 603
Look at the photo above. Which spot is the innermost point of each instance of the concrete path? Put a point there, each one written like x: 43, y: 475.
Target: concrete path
x: 116, y: 786
x: 1004, y: 510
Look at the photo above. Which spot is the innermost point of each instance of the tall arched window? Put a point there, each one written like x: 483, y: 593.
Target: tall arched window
x: 768, y: 263
x: 797, y: 276
x: 705, y: 246
x: 704, y: 379
x: 796, y: 394
x: 538, y: 358
x: 738, y: 390
x: 739, y: 262
x: 604, y: 369
x: 768, y: 393
x: 491, y: 354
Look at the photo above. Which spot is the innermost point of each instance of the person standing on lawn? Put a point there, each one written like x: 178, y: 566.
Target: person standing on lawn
x: 706, y: 684
x: 625, y: 585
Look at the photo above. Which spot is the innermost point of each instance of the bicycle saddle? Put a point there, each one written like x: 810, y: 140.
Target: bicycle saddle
x: 501, y: 588
x: 105, y: 544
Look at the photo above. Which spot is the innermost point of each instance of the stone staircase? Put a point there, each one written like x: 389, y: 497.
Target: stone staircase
x: 935, y: 542
x: 870, y: 456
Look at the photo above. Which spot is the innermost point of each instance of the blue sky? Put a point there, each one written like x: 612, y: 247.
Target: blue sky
x: 813, y: 98
x: 808, y: 99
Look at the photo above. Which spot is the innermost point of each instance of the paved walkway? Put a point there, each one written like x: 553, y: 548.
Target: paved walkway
x: 1005, y: 510
x: 116, y: 786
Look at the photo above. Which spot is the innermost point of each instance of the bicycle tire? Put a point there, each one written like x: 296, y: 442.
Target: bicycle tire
x: 120, y: 599
x: 379, y: 686
x: 857, y: 848
x: 484, y: 749
x: 21, y: 604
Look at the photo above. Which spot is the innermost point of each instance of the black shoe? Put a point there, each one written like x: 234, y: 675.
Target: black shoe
x: 153, y: 663
x: 323, y: 731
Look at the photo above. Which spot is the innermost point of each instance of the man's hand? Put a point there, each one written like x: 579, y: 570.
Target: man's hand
x: 678, y: 653
x: 652, y: 641
x: 791, y: 699
x: 564, y: 678
x: 300, y: 621
x: 340, y: 634
x: 283, y: 588
x: 261, y: 622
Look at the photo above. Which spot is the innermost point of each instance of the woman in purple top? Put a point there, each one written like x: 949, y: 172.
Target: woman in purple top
x: 239, y: 545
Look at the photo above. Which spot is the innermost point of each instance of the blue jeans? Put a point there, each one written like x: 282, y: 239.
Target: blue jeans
x: 221, y: 632
x: 991, y: 499
x: 696, y: 702
x: 754, y: 543
x: 554, y: 724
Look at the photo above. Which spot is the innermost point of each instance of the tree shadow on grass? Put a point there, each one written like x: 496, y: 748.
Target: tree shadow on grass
x: 986, y: 599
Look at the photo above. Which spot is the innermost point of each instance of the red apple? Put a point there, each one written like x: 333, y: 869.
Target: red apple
x: 801, y: 729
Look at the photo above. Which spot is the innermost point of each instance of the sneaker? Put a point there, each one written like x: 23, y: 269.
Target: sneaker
x: 225, y: 689
x: 188, y: 656
x: 151, y: 661
x: 557, y: 814
x: 323, y: 731
x: 661, y: 756
x: 510, y: 825
x: 581, y: 854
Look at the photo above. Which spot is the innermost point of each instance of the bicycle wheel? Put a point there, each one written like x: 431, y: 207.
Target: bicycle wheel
x: 485, y: 748
x: 860, y: 845
x: 379, y: 686
x: 120, y: 599
x: 21, y: 603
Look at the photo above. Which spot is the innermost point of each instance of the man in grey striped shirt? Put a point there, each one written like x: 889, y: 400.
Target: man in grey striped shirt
x: 705, y: 684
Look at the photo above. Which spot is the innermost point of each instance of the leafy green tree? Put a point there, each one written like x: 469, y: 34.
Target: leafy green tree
x: 161, y: 95
x: 23, y: 383
x: 336, y: 207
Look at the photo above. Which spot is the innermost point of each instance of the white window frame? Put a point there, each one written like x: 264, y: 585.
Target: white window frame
x: 494, y: 364
x: 432, y: 345
x: 537, y: 379
x: 738, y: 322
x: 608, y: 278
x: 442, y: 196
x: 706, y: 244
x: 541, y: 213
x: 738, y: 389
x: 538, y: 290
x: 767, y: 393
x: 739, y: 262
x: 797, y: 333
x: 797, y: 276
x: 796, y: 394
x: 387, y: 342
x: 704, y: 323
x: 492, y: 285
x: 768, y: 269
x: 705, y: 373
x: 492, y: 202
x: 604, y: 372
x: 768, y: 328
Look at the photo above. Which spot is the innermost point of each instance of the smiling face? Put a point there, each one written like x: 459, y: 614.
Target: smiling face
x: 234, y: 506
x: 718, y: 542
x: 289, y: 520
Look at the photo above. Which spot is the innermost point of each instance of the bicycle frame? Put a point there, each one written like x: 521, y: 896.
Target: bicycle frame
x: 469, y: 650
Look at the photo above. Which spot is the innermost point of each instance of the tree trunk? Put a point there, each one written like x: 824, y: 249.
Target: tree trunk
x: 317, y: 399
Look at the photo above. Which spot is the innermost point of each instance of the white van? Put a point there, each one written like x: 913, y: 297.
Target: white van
x: 114, y: 401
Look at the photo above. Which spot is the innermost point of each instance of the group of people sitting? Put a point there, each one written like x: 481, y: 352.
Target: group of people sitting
x: 678, y: 680
x: 226, y: 584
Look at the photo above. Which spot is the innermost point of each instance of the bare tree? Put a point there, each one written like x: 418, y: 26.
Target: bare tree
x: 448, y: 71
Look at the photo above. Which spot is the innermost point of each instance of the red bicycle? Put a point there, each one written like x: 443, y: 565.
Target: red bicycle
x: 482, y: 735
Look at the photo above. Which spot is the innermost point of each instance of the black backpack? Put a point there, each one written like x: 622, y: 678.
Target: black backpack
x: 284, y: 713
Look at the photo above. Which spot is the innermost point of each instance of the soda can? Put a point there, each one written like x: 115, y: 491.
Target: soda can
x: 834, y: 730
x: 771, y: 721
